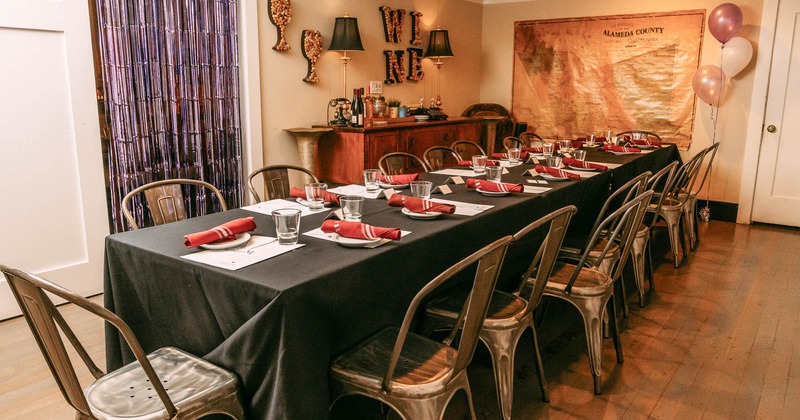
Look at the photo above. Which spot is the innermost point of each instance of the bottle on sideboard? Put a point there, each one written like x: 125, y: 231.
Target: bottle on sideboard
x: 357, y: 109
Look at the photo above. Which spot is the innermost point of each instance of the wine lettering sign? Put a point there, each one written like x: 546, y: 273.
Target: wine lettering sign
x: 585, y: 75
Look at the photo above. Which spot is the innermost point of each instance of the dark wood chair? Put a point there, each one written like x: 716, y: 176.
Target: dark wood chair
x: 412, y: 374
x: 277, y: 180
x: 165, y: 384
x: 166, y: 202
x: 398, y: 163
x: 440, y: 157
x: 505, y: 128
x: 466, y: 149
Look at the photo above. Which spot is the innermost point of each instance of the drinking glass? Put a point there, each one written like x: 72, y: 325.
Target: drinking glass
x: 287, y: 225
x: 371, y: 179
x: 421, y: 189
x: 513, y: 155
x: 478, y: 163
x: 590, y: 139
x: 547, y: 148
x: 315, y: 195
x: 564, y: 145
x: 352, y: 207
x: 579, y: 154
x: 607, y: 134
x: 494, y: 173
x: 554, y: 161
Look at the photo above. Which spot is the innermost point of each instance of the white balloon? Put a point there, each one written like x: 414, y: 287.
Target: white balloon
x: 736, y: 54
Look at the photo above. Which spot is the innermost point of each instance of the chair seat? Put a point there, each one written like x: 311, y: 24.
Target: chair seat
x: 669, y: 204
x: 590, y: 282
x: 505, y: 309
x: 424, y: 366
x: 188, y: 379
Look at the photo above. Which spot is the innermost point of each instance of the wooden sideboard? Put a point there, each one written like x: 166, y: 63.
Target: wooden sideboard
x: 346, y: 152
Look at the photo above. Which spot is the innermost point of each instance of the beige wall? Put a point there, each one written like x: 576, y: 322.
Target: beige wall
x: 289, y: 102
x: 498, y: 27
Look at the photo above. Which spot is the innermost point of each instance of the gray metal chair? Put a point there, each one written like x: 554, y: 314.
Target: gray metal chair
x: 640, y: 135
x: 467, y: 149
x: 510, y: 314
x: 531, y: 139
x: 412, y: 374
x: 166, y: 202
x: 276, y: 180
x: 689, y: 197
x: 440, y: 157
x: 511, y: 141
x: 589, y: 289
x: 398, y: 163
x: 165, y: 384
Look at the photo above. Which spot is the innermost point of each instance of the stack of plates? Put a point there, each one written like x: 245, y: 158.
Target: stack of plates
x: 421, y: 117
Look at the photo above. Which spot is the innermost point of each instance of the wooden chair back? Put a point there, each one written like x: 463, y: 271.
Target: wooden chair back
x: 466, y: 149
x: 398, y: 163
x: 167, y: 200
x: 277, y: 180
x: 440, y: 157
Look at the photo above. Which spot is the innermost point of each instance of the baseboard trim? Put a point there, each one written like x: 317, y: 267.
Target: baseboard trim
x: 724, y: 212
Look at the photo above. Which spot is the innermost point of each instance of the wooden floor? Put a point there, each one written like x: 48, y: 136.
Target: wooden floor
x: 719, y: 339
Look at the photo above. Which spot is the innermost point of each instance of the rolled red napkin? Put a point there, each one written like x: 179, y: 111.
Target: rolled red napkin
x: 419, y: 205
x: 620, y: 149
x: 358, y: 230
x: 555, y: 172
x: 490, y: 186
x: 575, y: 163
x: 399, y: 179
x: 469, y: 163
x: 577, y: 144
x: 225, y: 231
x: 537, y: 150
x: 501, y: 155
x: 329, y: 197
x: 646, y: 142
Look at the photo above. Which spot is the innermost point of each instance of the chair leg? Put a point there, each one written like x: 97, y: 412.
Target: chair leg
x: 502, y: 345
x: 540, y: 366
x: 673, y: 219
x: 615, y: 332
x: 624, y: 292
x: 592, y: 313
x: 689, y: 208
x: 637, y: 256
x: 649, y: 261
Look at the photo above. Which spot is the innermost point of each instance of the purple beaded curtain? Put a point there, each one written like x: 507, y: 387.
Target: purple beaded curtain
x: 170, y: 83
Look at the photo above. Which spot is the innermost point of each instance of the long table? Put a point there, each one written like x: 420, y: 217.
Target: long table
x: 278, y: 323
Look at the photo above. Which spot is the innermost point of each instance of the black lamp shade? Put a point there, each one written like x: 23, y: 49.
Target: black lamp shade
x: 345, y: 35
x: 439, y: 44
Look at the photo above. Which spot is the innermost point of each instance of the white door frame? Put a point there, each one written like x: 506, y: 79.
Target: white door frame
x: 758, y: 108
x: 250, y: 91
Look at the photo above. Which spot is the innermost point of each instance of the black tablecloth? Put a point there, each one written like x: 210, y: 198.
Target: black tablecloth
x: 278, y: 323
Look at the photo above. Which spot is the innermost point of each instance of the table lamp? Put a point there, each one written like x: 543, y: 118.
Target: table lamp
x: 345, y: 38
x: 438, y: 47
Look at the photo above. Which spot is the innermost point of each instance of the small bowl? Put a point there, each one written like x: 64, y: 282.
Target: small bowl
x: 422, y: 117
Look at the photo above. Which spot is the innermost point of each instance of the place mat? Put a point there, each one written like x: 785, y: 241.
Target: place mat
x: 355, y: 189
x: 267, y: 207
x: 259, y: 248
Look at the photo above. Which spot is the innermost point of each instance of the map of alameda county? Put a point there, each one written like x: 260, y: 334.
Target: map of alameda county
x: 587, y: 75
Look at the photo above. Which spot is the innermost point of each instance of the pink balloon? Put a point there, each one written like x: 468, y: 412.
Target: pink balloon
x: 725, y: 21
x: 708, y: 83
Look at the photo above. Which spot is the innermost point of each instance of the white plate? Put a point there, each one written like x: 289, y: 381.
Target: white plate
x: 422, y: 117
x: 305, y: 202
x: 354, y: 243
x: 492, y: 193
x: 553, y: 178
x: 396, y: 187
x: 624, y: 153
x: 578, y: 168
x: 421, y: 216
x: 241, y: 239
x: 646, y: 146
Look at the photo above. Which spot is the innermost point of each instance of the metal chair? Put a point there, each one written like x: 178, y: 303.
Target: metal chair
x: 466, y: 149
x: 414, y: 375
x: 589, y: 289
x: 440, y: 157
x: 398, y: 163
x: 511, y: 141
x: 504, y: 128
x: 165, y: 384
x: 640, y: 135
x: 641, y: 242
x: 531, y: 139
x: 510, y: 314
x: 166, y: 202
x: 689, y: 198
x: 276, y: 180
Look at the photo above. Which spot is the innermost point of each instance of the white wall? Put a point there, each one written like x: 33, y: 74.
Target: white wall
x: 497, y: 55
x: 289, y: 102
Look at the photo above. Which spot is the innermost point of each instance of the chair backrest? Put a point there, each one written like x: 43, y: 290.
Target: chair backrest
x: 466, y: 149
x: 687, y: 174
x: 635, y: 133
x: 167, y: 203
x: 708, y: 161
x: 276, y: 180
x: 531, y: 139
x: 398, y: 163
x: 45, y: 322
x: 619, y: 227
x: 440, y: 157
x: 545, y: 257
x: 630, y: 189
x: 487, y: 262
x: 504, y: 128
x: 511, y: 141
x: 660, y: 183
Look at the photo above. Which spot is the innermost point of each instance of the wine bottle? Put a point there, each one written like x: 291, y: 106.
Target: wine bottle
x: 357, y: 109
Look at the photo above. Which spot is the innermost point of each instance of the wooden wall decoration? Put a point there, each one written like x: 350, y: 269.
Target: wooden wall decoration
x: 312, y: 48
x: 392, y: 23
x: 589, y: 74
x: 415, y: 38
x: 415, y: 64
x: 394, y: 67
x: 280, y: 14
